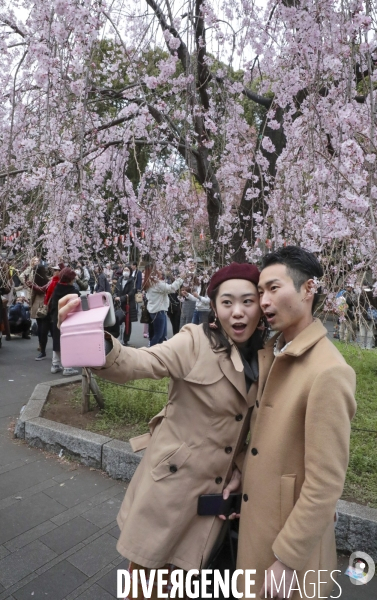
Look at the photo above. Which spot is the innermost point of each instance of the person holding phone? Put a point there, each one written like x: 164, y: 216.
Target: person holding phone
x: 197, y: 439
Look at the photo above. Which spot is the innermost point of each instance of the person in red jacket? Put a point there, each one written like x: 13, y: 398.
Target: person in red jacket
x: 45, y: 325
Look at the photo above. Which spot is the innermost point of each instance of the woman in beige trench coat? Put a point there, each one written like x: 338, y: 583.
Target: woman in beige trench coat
x: 197, y: 437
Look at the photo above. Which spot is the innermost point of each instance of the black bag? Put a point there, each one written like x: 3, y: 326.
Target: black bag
x: 145, y: 316
x: 120, y: 315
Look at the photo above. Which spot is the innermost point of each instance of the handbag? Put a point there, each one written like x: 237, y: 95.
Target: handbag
x: 145, y: 316
x: 120, y: 315
x: 42, y: 312
x: 372, y: 314
x: 139, y: 298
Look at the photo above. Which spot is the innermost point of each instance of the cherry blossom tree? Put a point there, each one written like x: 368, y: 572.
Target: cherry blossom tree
x: 257, y: 121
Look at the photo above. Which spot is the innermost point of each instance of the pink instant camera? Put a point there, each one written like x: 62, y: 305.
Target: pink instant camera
x: 82, y: 341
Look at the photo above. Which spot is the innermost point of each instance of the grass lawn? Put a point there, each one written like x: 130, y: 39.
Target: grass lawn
x: 135, y: 403
x: 361, y: 481
x: 132, y: 404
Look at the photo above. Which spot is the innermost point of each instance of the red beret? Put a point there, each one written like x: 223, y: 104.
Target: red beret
x: 233, y: 271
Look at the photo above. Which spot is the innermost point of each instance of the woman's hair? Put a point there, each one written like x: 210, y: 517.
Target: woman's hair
x: 150, y: 276
x: 67, y: 275
x: 219, y: 340
x: 203, y: 288
x: 40, y: 276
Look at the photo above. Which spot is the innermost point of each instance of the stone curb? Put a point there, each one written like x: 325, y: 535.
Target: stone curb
x: 112, y: 456
x: 356, y: 529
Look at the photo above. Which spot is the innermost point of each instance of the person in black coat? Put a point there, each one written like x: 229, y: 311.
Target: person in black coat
x: 63, y: 288
x: 102, y: 283
x: 125, y: 294
x: 137, y: 276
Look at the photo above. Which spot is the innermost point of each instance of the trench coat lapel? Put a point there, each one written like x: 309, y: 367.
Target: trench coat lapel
x: 233, y: 370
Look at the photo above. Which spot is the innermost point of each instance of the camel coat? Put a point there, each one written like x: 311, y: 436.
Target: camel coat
x: 297, y: 460
x: 195, y: 441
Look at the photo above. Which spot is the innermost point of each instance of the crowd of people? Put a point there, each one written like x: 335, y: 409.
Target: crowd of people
x: 31, y: 294
x: 30, y: 298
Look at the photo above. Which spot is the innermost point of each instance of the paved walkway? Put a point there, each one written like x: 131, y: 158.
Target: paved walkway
x: 57, y: 519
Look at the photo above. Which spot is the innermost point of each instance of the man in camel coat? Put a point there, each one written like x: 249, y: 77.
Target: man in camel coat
x: 297, y: 458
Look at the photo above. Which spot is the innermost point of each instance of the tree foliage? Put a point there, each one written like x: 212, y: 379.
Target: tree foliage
x: 222, y: 128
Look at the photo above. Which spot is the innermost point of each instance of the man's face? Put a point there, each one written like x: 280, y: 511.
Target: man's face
x: 20, y: 300
x: 283, y: 306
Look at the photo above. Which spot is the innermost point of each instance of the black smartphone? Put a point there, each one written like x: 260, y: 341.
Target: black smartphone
x: 214, y: 504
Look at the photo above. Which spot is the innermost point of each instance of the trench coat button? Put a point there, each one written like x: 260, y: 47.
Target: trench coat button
x: 257, y: 403
x: 239, y: 417
x: 218, y: 480
x: 254, y: 451
x: 173, y: 469
x: 245, y: 497
x: 228, y: 449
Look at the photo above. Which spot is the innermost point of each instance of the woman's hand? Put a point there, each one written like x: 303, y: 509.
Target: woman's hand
x: 184, y: 293
x: 233, y: 486
x: 66, y: 305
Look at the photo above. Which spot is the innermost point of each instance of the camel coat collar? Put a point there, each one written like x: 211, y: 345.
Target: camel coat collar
x: 299, y: 345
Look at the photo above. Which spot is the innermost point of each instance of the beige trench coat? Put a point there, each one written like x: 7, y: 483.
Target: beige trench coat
x: 297, y: 460
x: 191, y: 452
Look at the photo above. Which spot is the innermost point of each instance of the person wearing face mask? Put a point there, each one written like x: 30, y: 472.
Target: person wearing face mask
x: 81, y: 282
x: 125, y: 294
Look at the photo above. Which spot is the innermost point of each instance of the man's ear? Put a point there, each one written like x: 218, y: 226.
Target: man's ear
x: 309, y: 289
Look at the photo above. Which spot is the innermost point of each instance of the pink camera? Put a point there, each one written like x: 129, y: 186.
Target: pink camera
x: 82, y: 342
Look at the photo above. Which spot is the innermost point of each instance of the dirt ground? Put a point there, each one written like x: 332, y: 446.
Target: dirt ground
x: 64, y: 406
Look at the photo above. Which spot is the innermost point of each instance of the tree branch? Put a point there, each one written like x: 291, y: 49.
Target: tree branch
x: 12, y: 26
x: 203, y: 73
x: 266, y: 102
x: 182, y: 51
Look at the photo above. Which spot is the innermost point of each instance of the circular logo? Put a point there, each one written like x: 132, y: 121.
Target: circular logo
x: 361, y: 568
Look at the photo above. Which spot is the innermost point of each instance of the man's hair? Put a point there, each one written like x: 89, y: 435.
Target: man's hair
x: 300, y: 263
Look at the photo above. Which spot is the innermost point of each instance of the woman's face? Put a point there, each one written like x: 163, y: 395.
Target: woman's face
x: 237, y: 308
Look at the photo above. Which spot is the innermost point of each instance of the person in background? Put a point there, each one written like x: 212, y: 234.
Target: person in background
x: 202, y: 306
x: 125, y: 295
x: 102, y: 283
x: 63, y: 288
x: 367, y: 310
x: 158, y: 301
x: 345, y: 300
x: 108, y: 271
x: 28, y: 275
x: 4, y: 289
x: 38, y: 282
x: 188, y: 306
x: 91, y: 278
x: 81, y: 283
x: 46, y: 326
x: 137, y: 277
x: 7, y: 299
x: 174, y: 312
x: 19, y: 318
